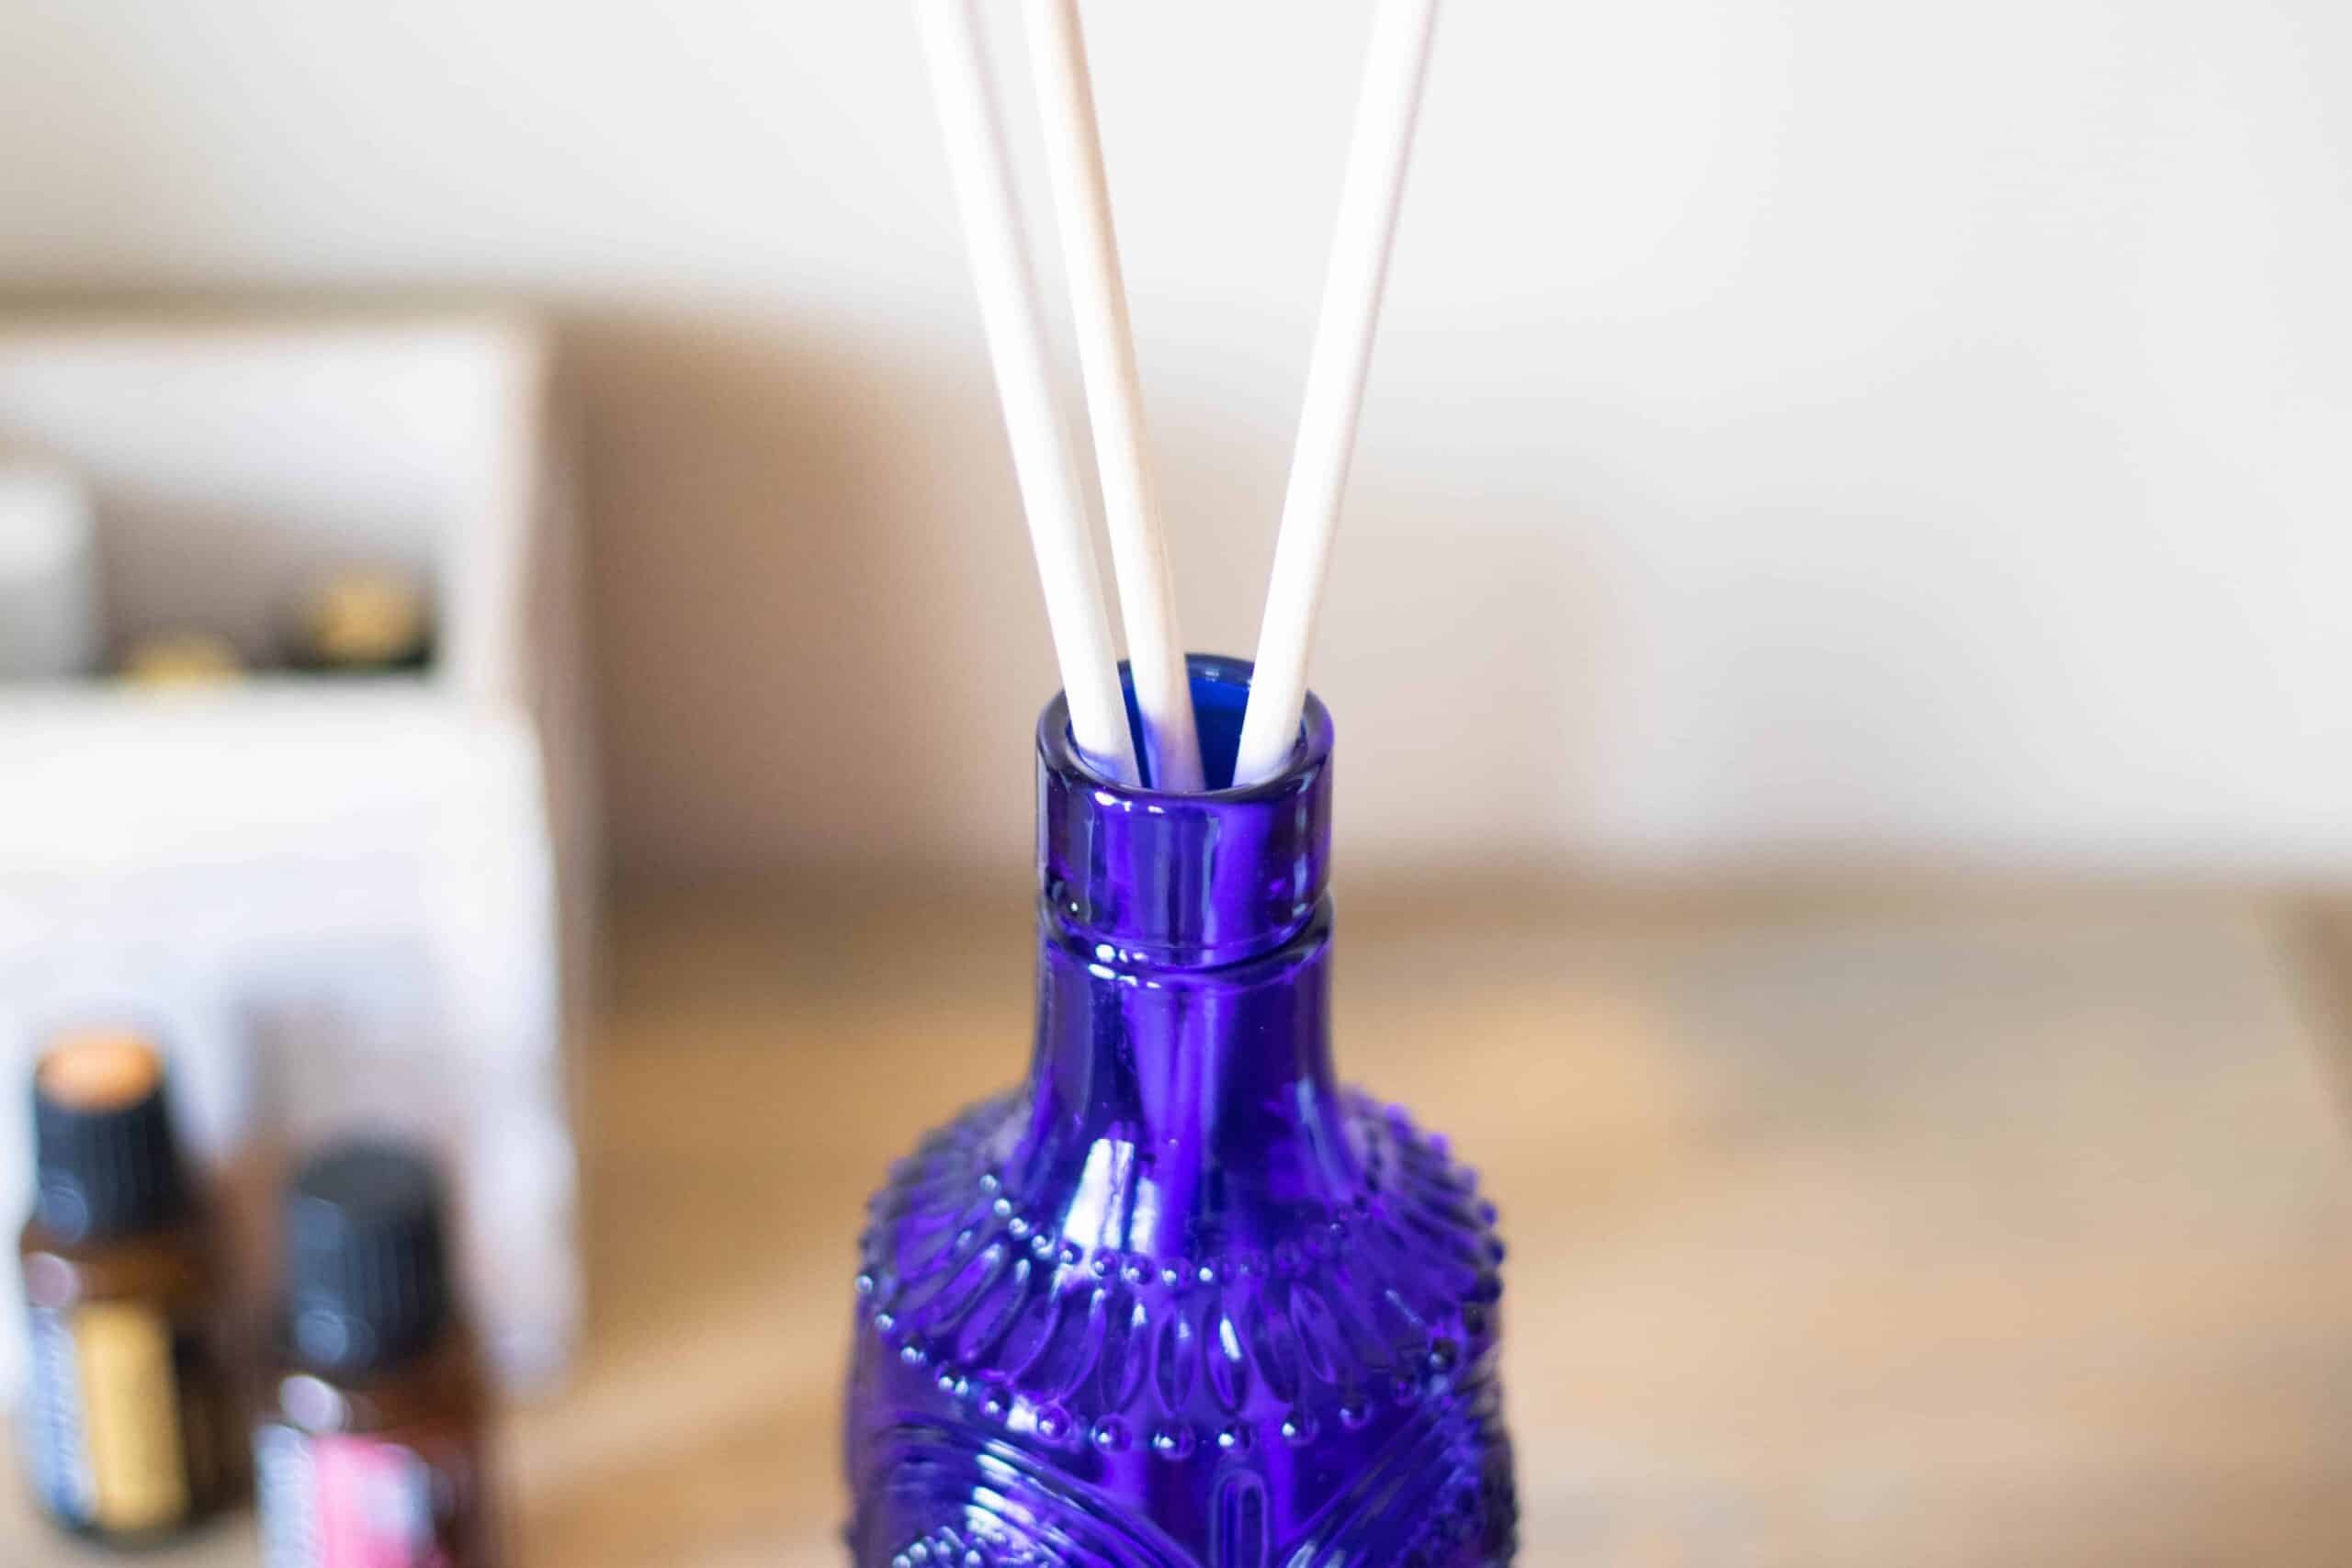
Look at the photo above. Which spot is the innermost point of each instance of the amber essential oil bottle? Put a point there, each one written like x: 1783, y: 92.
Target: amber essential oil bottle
x: 129, y: 1424
x: 371, y: 1440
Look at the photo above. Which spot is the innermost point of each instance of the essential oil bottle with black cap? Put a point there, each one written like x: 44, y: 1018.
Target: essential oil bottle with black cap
x: 128, y: 1424
x: 371, y: 1441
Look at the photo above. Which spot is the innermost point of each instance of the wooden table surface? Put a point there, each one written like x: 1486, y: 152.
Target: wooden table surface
x: 1869, y: 1229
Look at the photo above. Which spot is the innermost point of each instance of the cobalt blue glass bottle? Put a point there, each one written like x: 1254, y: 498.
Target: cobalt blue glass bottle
x: 1179, y: 1301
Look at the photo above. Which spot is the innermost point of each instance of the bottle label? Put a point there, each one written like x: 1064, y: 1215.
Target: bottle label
x: 108, y: 1452
x: 60, y: 1461
x: 357, y: 1502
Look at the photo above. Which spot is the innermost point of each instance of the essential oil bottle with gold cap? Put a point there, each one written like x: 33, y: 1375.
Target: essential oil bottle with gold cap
x: 129, y: 1418
x: 371, y: 1445
x: 363, y: 622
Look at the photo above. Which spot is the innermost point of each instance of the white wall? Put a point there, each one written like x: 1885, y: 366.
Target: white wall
x: 1798, y: 428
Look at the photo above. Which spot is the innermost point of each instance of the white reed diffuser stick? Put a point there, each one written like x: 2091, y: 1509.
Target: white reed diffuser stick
x: 1394, y: 68
x: 1106, y: 353
x: 1043, y: 458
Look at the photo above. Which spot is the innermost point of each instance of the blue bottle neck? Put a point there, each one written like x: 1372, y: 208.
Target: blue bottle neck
x: 1189, y: 881
x: 1182, y: 1086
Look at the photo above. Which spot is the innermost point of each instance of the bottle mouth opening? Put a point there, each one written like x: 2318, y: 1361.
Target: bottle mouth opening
x: 1186, y: 880
x: 1220, y: 697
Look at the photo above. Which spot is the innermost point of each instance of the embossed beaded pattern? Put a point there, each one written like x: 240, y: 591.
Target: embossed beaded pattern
x: 1179, y: 1301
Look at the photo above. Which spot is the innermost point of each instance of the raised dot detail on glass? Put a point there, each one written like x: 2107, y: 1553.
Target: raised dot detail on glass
x: 1173, y: 1440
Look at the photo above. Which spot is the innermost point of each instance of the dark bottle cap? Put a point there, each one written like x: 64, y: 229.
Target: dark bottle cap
x: 105, y: 1161
x: 366, y: 1266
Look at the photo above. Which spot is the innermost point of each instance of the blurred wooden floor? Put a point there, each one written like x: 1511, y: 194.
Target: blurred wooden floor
x: 1857, y: 1230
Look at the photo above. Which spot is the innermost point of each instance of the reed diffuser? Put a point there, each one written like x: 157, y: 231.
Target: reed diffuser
x: 1179, y: 1300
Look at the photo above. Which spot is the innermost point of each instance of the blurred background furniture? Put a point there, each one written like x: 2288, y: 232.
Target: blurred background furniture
x: 335, y: 899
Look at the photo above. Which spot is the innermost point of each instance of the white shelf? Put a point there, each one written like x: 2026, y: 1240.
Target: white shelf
x: 342, y: 899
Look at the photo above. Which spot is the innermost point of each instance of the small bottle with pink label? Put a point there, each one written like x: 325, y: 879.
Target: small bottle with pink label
x: 370, y: 1448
